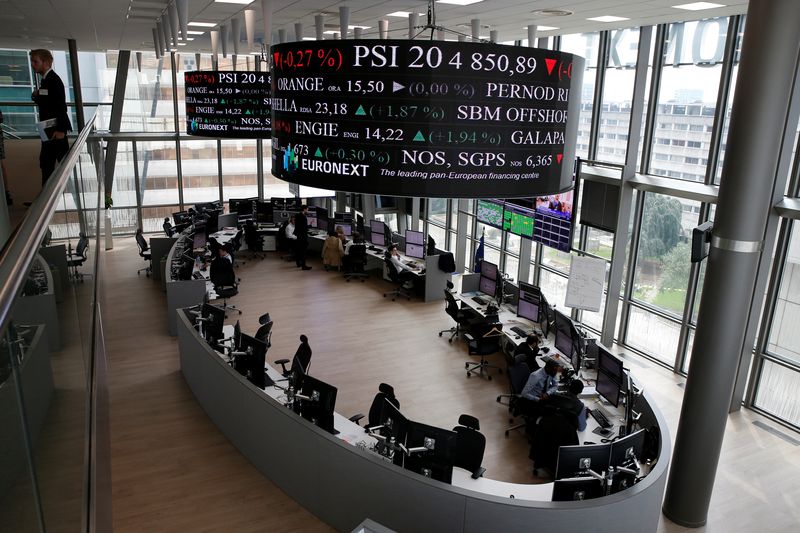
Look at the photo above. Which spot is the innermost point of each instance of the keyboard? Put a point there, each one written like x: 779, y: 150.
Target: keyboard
x: 519, y: 331
x: 479, y: 300
x: 600, y: 418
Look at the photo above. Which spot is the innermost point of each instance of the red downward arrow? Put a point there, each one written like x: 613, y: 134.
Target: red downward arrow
x: 559, y: 157
x: 550, y: 64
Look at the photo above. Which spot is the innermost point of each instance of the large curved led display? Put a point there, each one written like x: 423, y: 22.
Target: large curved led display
x: 425, y: 118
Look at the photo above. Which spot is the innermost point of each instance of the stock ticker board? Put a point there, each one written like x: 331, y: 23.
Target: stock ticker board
x: 425, y: 118
x: 228, y: 104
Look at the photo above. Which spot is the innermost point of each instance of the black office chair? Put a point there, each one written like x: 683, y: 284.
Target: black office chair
x: 253, y: 240
x: 470, y: 445
x: 484, y: 339
x: 264, y: 333
x: 462, y: 316
x: 356, y: 263
x: 553, y: 429
x: 385, y: 393
x: 234, y: 245
x: 224, y: 280
x: 144, y: 253
x: 75, y: 260
x: 302, y: 358
x: 284, y: 243
x: 397, y: 279
x: 169, y: 231
x: 518, y: 375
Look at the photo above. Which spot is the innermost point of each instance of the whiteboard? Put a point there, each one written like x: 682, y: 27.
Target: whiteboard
x: 585, y: 286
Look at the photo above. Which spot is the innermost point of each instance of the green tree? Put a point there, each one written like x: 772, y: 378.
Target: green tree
x: 661, y: 225
x: 675, y: 267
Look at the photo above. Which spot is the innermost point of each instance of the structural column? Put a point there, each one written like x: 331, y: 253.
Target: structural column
x: 767, y: 72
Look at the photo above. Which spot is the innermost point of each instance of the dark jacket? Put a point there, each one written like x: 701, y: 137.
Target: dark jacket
x: 301, y: 227
x: 53, y: 104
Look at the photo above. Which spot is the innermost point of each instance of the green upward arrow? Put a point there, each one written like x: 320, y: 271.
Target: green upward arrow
x: 360, y: 110
x: 223, y: 101
x: 419, y: 137
x: 318, y: 153
x: 248, y: 112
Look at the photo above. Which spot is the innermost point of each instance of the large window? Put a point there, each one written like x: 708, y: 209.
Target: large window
x: 585, y: 45
x: 687, y: 96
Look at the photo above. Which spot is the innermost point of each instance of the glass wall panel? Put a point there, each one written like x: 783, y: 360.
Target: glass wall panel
x: 615, y: 114
x: 689, y: 347
x: 148, y: 95
x: 200, y: 171
x: 653, y: 334
x: 726, y: 122
x: 158, y: 172
x: 438, y: 234
x: 239, y: 172
x: 491, y: 236
x: 124, y: 192
x: 585, y: 45
x: 687, y: 98
x: 437, y: 211
x: 153, y: 218
x: 662, y: 265
x: 784, y: 339
x: 774, y: 392
x: 554, y: 287
x: 555, y: 259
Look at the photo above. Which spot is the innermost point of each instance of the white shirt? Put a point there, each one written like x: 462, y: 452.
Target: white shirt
x: 290, y: 231
x: 398, y: 264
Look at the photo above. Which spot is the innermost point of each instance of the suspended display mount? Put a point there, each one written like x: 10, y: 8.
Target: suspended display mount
x: 228, y: 104
x: 425, y: 118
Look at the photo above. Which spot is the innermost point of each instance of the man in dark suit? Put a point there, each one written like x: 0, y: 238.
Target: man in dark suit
x: 301, y: 232
x: 527, y: 352
x: 51, y: 99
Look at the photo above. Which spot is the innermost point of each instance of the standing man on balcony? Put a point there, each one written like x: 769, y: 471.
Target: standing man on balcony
x: 54, y: 123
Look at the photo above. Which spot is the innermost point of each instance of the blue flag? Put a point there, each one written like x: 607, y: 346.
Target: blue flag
x: 478, y: 256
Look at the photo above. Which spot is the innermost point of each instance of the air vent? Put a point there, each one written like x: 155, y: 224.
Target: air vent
x: 551, y: 12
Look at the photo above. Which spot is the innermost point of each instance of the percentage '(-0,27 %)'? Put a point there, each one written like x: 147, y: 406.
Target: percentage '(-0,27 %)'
x: 293, y: 60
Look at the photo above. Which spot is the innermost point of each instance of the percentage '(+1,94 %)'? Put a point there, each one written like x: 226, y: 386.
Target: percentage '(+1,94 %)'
x: 294, y: 60
x: 409, y: 111
x: 465, y: 137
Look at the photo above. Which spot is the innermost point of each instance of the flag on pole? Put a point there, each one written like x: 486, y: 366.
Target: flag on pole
x: 478, y: 255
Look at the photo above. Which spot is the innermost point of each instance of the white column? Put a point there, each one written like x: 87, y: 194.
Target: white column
x: 183, y: 17
x: 383, y: 28
x: 476, y: 30
x: 493, y: 36
x: 532, y: 35
x: 282, y: 35
x: 413, y: 21
x: 298, y: 31
x: 157, y: 42
x: 250, y: 27
x: 357, y: 32
x: 172, y: 11
x: 266, y: 14
x: 319, y: 26
x: 344, y: 20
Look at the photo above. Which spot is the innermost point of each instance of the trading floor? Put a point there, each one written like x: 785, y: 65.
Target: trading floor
x: 173, y: 470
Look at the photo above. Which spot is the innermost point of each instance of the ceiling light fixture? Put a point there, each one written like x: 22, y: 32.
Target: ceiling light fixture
x: 401, y: 14
x: 203, y: 24
x: 608, y: 18
x: 698, y: 6
x: 195, y: 32
x: 458, y: 2
x: 241, y: 2
x: 543, y: 28
x: 552, y: 12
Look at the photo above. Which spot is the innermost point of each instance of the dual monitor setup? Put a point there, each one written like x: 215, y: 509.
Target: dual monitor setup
x: 421, y: 448
x: 595, y: 470
x: 272, y: 211
x: 380, y: 234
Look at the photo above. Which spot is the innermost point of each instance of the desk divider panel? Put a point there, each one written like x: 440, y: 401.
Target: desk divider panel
x: 159, y: 248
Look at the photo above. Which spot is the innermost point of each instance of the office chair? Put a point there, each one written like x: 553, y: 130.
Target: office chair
x: 484, y: 339
x: 264, y: 333
x: 235, y: 244
x: 169, y: 231
x: 253, y: 241
x: 224, y: 280
x: 302, y: 358
x: 284, y: 243
x: 462, y: 316
x: 553, y: 429
x: 144, y: 253
x: 470, y: 445
x: 385, y: 393
x: 518, y: 375
x: 356, y: 263
x: 396, y: 279
x: 78, y: 258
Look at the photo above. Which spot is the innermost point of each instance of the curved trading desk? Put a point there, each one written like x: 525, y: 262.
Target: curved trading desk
x: 343, y: 484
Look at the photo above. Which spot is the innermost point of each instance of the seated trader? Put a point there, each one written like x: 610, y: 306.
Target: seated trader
x: 541, y: 384
x: 527, y: 352
x: 332, y: 251
x: 289, y: 230
x: 222, y: 252
x: 403, y: 270
x: 569, y: 404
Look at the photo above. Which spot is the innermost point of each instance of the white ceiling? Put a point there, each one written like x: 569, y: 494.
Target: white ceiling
x: 102, y: 24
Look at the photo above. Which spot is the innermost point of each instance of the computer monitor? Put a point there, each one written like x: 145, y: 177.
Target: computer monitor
x: 415, y: 250
x: 624, y: 450
x: 376, y: 232
x: 322, y: 218
x: 394, y: 426
x: 199, y: 240
x: 237, y: 336
x: 487, y: 286
x: 251, y: 365
x: 574, y: 461
x: 489, y: 270
x: 264, y: 212
x: 212, y: 222
x: 360, y: 224
x: 228, y: 220
x: 431, y: 451
x: 564, y: 329
x: 207, y: 206
x: 610, y: 376
x: 214, y: 320
x: 577, y: 489
x: 346, y: 227
x: 319, y: 408
x: 241, y: 206
x: 415, y: 237
x: 181, y: 218
x: 311, y: 217
x: 344, y: 216
x: 528, y: 302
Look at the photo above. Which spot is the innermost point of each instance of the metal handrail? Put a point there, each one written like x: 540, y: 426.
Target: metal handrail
x: 22, y: 246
